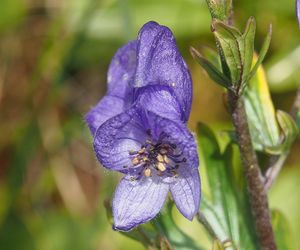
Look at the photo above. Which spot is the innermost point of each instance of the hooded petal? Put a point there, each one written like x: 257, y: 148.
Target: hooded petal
x: 137, y: 202
x: 117, y: 136
x: 186, y: 191
x: 119, y: 95
x: 121, y: 71
x: 160, y: 100
x: 159, y: 62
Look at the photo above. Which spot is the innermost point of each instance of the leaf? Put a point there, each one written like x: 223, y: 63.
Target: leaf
x: 298, y: 119
x: 282, y: 231
x: 166, y: 227
x: 288, y: 127
x: 263, y: 51
x: 226, y: 206
x: 217, y: 245
x: 231, y: 49
x: 222, y: 208
x: 211, y: 70
x: 248, y: 38
x: 261, y: 114
x: 14, y: 234
x: 219, y: 9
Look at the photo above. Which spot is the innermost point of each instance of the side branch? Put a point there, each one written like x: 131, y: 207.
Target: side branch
x: 257, y: 194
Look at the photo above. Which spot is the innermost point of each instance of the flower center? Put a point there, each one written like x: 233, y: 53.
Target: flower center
x: 160, y: 158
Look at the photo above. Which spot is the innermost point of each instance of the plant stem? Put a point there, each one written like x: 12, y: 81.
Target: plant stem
x: 257, y: 195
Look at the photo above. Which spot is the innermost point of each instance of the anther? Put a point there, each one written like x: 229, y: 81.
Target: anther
x: 174, y: 173
x: 135, y: 161
x: 160, y: 166
x: 132, y: 178
x: 160, y: 158
x: 166, y: 159
x: 147, y: 172
x: 141, y: 151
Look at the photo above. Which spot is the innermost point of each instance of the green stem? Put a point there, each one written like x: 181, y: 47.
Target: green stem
x: 257, y: 195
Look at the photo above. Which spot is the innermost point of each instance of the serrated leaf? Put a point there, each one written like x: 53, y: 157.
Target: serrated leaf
x: 261, y: 114
x: 282, y: 231
x: 211, y: 69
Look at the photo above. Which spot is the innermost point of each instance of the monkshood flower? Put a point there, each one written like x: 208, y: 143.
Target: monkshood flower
x: 139, y: 129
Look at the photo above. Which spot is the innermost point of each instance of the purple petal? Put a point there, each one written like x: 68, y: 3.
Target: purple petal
x: 298, y: 11
x: 116, y: 137
x: 160, y: 100
x: 186, y: 191
x: 137, y: 202
x: 120, y: 92
x: 108, y: 107
x: 159, y: 62
x: 121, y: 71
x: 178, y: 134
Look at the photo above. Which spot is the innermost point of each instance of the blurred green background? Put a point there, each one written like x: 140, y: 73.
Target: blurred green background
x: 54, y: 56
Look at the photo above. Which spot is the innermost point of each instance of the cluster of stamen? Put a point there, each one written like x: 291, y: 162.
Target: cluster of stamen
x: 160, y: 158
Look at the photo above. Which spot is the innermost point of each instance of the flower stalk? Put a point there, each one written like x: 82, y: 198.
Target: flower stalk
x: 257, y: 194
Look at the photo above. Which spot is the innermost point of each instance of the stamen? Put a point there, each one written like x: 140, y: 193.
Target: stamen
x: 160, y: 166
x: 135, y: 161
x: 148, y: 172
x: 160, y: 158
x: 141, y: 151
x: 166, y: 159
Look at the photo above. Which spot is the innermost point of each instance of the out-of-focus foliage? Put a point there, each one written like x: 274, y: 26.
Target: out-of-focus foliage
x: 53, y: 61
x: 225, y: 204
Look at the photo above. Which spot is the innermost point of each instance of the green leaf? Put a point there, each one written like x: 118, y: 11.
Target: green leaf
x: 261, y: 114
x: 248, y: 38
x: 14, y: 234
x: 222, y: 208
x: 166, y: 227
x: 288, y: 127
x: 282, y: 231
x: 217, y: 245
x: 226, y: 205
x: 219, y: 9
x: 211, y: 70
x: 231, y: 48
x: 263, y: 51
x: 298, y: 119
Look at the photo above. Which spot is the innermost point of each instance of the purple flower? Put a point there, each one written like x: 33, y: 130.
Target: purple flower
x: 139, y: 129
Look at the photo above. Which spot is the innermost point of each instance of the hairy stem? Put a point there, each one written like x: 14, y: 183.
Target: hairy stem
x: 257, y: 195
